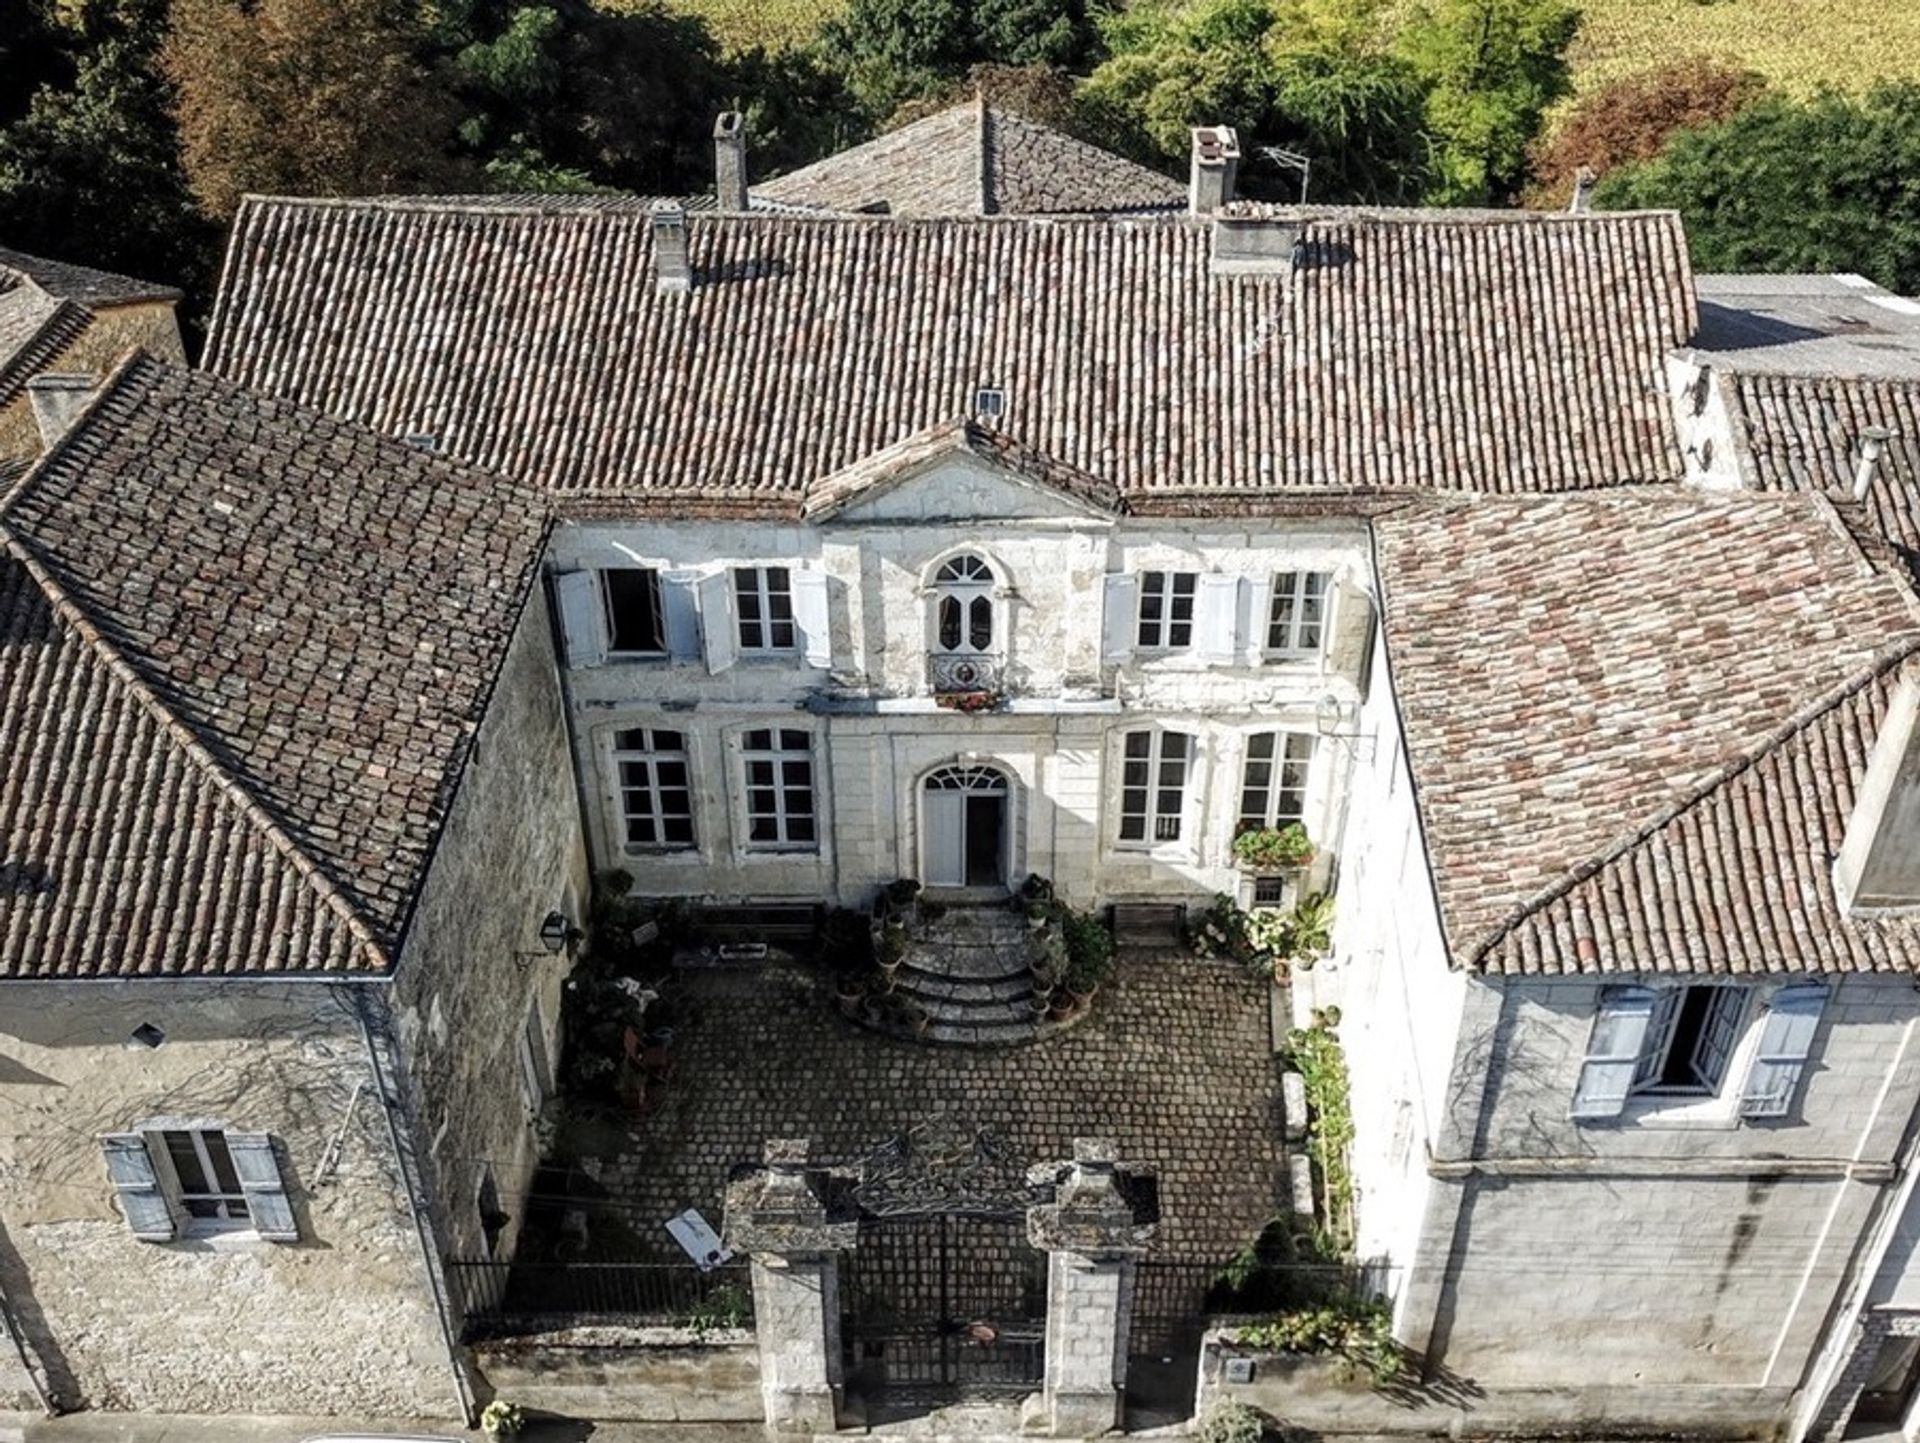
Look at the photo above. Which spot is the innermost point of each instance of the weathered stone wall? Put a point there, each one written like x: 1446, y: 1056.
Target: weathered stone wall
x: 645, y: 1375
x: 97, y: 350
x: 338, y: 1322
x: 473, y: 970
x: 1059, y: 738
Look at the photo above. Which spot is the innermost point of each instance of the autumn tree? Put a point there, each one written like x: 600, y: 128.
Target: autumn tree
x: 1632, y: 118
x: 307, y: 97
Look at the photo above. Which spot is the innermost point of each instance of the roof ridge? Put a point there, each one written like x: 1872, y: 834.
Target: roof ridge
x: 1888, y: 659
x: 126, y: 674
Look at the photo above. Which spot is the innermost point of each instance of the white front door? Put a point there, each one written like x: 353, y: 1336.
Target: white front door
x: 945, y: 846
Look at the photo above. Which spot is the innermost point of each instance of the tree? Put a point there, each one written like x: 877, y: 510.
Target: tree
x: 1491, y: 68
x: 30, y: 54
x: 1631, y: 119
x: 1313, y: 76
x: 1822, y: 185
x: 307, y: 97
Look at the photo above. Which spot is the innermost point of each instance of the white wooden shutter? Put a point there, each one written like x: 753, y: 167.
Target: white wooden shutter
x: 810, y: 616
x: 1347, y: 629
x: 259, y: 1173
x: 1613, y: 1052
x: 130, y: 1166
x: 1218, y: 614
x: 717, y: 629
x: 1786, y: 1041
x: 680, y: 608
x: 583, y: 619
x: 1117, y: 628
x: 1256, y: 609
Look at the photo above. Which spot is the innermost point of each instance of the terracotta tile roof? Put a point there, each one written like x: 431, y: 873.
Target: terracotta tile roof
x: 311, y: 614
x: 959, y: 437
x: 976, y: 159
x: 1584, y: 684
x: 1511, y: 354
x: 96, y: 290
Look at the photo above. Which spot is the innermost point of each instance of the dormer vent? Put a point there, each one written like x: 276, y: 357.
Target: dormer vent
x: 1216, y: 165
x: 1873, y: 445
x: 58, y: 398
x: 989, y: 403
x: 672, y: 267
x: 730, y: 160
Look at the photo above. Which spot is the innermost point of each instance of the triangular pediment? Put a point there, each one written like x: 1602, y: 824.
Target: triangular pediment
x: 959, y: 472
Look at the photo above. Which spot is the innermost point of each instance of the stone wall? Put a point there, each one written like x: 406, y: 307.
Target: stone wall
x: 339, y: 1322
x: 97, y: 350
x: 474, y: 978
x: 641, y: 1375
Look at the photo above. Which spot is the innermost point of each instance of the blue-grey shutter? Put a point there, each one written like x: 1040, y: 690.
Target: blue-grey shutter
x: 1613, y: 1051
x: 1786, y: 1041
x: 1117, y: 627
x: 142, y: 1203
x: 717, y: 626
x: 259, y: 1173
x: 681, y: 606
x: 583, y: 621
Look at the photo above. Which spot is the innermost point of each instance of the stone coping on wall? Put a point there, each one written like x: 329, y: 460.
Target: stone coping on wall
x: 614, y: 1336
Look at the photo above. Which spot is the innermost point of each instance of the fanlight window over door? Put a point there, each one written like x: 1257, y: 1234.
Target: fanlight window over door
x: 964, y: 652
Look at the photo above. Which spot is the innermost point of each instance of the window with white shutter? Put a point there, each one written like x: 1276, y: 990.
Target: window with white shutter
x: 1166, y: 610
x: 1217, y: 635
x: 1296, y: 613
x: 258, y: 1171
x: 763, y: 608
x: 717, y: 635
x: 1671, y: 1051
x: 576, y: 597
x: 197, y: 1181
x: 1786, y: 1042
x: 1613, y: 1051
x: 1116, y: 643
x: 810, y: 615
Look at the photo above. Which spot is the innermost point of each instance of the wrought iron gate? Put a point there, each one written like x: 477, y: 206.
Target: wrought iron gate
x: 945, y: 1306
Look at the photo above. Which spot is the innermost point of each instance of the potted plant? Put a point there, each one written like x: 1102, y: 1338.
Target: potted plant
x: 848, y: 989
x: 1309, y: 932
x: 1273, y: 849
x: 1049, y: 960
x: 891, y: 949
x: 1060, y: 1004
x: 1036, y: 888
x: 1089, y: 954
x: 501, y: 1420
x: 1040, y: 1001
x: 1036, y: 915
x: 901, y: 893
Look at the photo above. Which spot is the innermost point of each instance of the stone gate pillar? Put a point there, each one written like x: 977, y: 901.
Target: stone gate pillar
x: 783, y: 1216
x: 1098, y: 1222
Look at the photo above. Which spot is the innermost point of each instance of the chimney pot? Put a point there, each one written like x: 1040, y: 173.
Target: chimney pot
x: 1584, y: 180
x: 672, y: 269
x: 1216, y: 163
x: 1873, y: 445
x: 730, y: 160
x: 58, y: 398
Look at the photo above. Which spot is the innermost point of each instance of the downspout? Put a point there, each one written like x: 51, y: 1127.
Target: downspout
x: 392, y: 1108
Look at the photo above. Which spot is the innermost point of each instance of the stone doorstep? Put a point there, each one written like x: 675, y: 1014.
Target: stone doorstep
x: 964, y: 991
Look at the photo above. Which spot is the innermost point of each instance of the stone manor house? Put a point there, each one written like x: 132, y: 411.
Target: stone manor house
x: 771, y: 551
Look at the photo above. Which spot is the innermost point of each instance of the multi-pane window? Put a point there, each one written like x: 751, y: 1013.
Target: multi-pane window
x: 634, y: 616
x: 1297, y: 619
x: 209, y: 1188
x: 1690, y: 1039
x: 963, y: 605
x: 656, y: 798
x: 763, y: 602
x: 1166, y: 610
x: 1273, y: 788
x: 778, y: 764
x: 1154, y: 771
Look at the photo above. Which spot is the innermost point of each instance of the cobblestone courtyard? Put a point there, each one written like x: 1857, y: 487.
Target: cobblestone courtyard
x: 1176, y: 1063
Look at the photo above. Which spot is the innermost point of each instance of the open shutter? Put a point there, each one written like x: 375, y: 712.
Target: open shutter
x: 717, y: 630
x: 810, y: 616
x: 1349, y: 638
x: 1613, y: 1052
x: 1256, y: 607
x: 259, y: 1173
x: 144, y: 1206
x: 680, y: 609
x: 582, y: 618
x: 1218, y: 613
x: 1117, y: 627
x: 1786, y: 1042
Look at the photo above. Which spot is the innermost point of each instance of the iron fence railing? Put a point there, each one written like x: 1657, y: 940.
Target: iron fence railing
x: 960, y: 672
x: 499, y: 1299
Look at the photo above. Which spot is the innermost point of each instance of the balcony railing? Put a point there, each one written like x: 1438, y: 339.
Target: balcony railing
x: 502, y: 1299
x: 954, y: 673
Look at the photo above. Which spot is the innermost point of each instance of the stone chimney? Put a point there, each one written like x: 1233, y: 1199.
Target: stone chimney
x: 672, y: 268
x: 1873, y: 445
x: 730, y: 160
x: 1216, y: 162
x: 1584, y: 180
x: 1878, y: 869
x: 58, y: 399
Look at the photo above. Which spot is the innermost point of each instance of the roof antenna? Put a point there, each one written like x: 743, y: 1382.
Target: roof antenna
x: 1873, y: 445
x: 1291, y: 160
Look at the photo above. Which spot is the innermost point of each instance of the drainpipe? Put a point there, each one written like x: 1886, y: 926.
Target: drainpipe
x: 392, y: 1108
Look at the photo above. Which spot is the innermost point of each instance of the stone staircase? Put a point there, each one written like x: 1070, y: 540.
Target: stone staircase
x: 969, y: 970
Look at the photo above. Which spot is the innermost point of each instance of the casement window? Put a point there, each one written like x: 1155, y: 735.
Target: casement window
x: 1297, y: 611
x: 1165, y: 621
x: 198, y: 1181
x: 1273, y: 785
x: 1672, y: 1047
x: 763, y: 606
x: 1155, y: 771
x: 636, y: 618
x: 535, y: 1076
x: 656, y: 796
x: 777, y: 766
x: 493, y: 1217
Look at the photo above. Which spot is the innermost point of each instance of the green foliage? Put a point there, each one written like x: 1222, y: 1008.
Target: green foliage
x: 1274, y: 848
x: 1785, y: 185
x: 1315, y: 1053
x: 1232, y: 1422
x: 1089, y: 945
x: 1491, y: 68
x: 1267, y: 940
x: 726, y: 1307
x: 892, y: 51
x: 1348, y: 1326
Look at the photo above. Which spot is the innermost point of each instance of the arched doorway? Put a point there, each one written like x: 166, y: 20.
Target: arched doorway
x: 965, y: 831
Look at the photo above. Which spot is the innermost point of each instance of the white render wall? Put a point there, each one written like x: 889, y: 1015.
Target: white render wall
x: 877, y: 730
